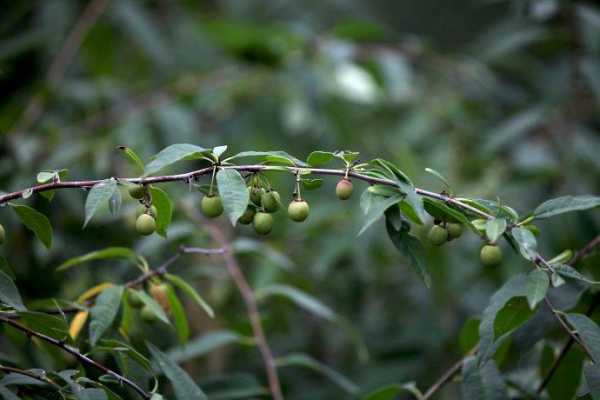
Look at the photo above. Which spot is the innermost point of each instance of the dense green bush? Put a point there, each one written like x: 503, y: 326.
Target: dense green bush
x: 501, y: 98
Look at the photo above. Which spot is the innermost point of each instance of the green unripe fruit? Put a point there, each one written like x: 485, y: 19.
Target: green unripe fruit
x: 248, y: 216
x: 137, y: 191
x: 298, y: 210
x: 141, y: 209
x: 455, y: 230
x: 491, y: 255
x: 256, y: 195
x: 145, y: 225
x: 437, y: 235
x: 344, y: 189
x: 270, y: 201
x: 2, y: 234
x: 134, y: 299
x: 263, y: 223
x: 148, y: 315
x: 211, y: 206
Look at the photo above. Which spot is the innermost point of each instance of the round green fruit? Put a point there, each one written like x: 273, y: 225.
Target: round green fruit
x: 437, y: 235
x: 142, y: 209
x: 211, y: 206
x: 248, y: 216
x: 344, y: 189
x: 134, y: 299
x: 455, y: 230
x: 2, y: 234
x: 491, y: 255
x: 145, y: 224
x: 263, y: 223
x: 270, y: 201
x: 256, y: 195
x: 137, y: 191
x: 298, y: 210
x: 148, y: 315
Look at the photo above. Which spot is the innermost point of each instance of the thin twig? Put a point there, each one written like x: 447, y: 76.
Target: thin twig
x: 41, y: 378
x: 448, y: 375
x: 56, y: 72
x: 77, y: 354
x: 249, y: 298
x: 585, y: 251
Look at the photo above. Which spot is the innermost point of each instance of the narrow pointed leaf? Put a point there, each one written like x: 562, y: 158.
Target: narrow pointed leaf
x: 537, y: 286
x: 99, y: 195
x: 190, y: 291
x: 104, y: 312
x: 234, y: 193
x: 164, y: 210
x: 173, y: 154
x: 183, y: 385
x: 36, y: 222
x: 9, y: 294
x: 565, y: 204
x: 107, y: 253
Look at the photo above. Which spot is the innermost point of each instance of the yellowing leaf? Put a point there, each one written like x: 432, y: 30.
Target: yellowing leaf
x: 77, y: 323
x: 93, y: 292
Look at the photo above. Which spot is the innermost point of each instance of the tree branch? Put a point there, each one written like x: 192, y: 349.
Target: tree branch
x: 448, y: 375
x: 41, y: 378
x: 77, y: 354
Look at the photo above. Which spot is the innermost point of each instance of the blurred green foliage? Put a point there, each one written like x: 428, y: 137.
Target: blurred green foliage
x: 502, y: 97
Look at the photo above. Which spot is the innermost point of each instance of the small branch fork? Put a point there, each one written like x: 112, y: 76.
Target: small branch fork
x: 77, y: 354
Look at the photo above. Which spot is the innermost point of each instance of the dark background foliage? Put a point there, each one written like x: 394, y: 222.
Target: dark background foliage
x: 502, y: 97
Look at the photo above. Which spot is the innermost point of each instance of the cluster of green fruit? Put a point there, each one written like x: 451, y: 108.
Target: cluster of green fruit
x: 159, y: 292
x: 440, y: 233
x: 145, y: 224
x: 266, y: 201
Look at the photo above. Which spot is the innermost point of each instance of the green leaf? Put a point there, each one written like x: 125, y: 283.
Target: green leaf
x: 441, y: 211
x: 565, y: 204
x: 589, y: 332
x: 317, y: 158
x: 374, y: 207
x: 36, y: 222
x: 469, y: 335
x: 190, y: 291
x: 592, y: 378
x: 391, y: 171
x: 274, y: 157
x: 154, y: 306
x: 45, y: 176
x: 414, y: 202
x: 4, y: 267
x: 514, y: 287
x: 98, y: 195
x: 537, y: 286
x: 234, y: 193
x: 7, y: 394
x: 132, y: 157
x: 482, y: 382
x: 299, y: 297
x: 311, y: 184
x: 302, y: 360
x: 173, y: 154
x: 391, y: 392
x: 218, y: 151
x: 183, y: 386
x: 109, y: 252
x: 104, y: 311
x: 512, y: 315
x: 570, y: 272
x: 494, y: 228
x: 9, y: 294
x: 526, y: 242
x: 567, y: 377
x: 205, y: 344
x: 411, y: 248
x: 164, y: 209
x: 441, y: 177
x: 179, y: 318
x: 50, y: 325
